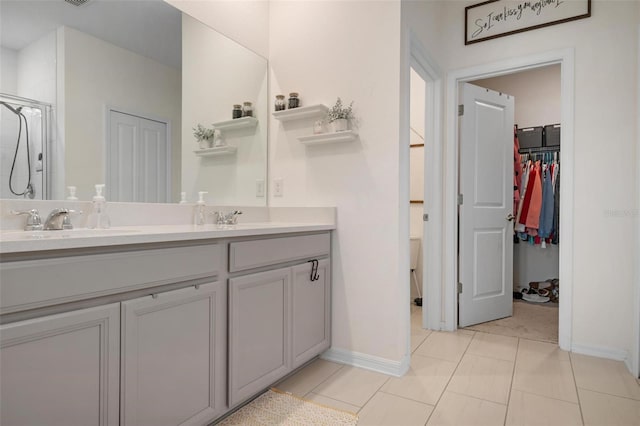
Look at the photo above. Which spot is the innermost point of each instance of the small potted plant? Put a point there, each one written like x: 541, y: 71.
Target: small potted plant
x: 204, y: 136
x: 339, y: 116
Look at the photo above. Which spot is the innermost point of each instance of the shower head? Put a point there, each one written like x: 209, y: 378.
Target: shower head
x: 16, y: 111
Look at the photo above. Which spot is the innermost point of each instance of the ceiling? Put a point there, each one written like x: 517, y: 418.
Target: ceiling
x: 151, y: 28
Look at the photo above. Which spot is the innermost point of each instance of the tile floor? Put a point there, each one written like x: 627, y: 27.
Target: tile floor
x: 475, y: 378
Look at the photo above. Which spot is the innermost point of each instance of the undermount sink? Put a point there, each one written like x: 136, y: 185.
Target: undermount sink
x: 65, y: 233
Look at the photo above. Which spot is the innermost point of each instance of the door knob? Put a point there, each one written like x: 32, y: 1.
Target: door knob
x: 510, y: 217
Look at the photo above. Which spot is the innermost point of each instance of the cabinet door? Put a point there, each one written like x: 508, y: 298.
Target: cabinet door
x: 61, y: 369
x: 258, y: 332
x: 311, y: 312
x: 173, y: 349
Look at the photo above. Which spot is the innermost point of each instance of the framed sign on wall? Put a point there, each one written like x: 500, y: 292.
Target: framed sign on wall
x: 499, y: 18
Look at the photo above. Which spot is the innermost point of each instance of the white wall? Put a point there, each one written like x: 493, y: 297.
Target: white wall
x: 349, y: 49
x: 96, y: 75
x: 8, y: 71
x: 606, y: 70
x: 245, y: 21
x: 213, y: 83
x: 537, y: 94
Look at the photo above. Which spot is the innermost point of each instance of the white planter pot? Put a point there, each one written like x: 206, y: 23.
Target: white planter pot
x: 205, y: 143
x: 340, y: 125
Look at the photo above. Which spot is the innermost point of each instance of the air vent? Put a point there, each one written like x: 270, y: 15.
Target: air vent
x: 77, y: 2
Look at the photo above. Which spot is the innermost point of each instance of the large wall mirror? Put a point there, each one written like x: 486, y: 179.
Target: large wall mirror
x: 109, y: 91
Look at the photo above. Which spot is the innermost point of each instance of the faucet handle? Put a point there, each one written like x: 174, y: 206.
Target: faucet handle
x: 34, y: 223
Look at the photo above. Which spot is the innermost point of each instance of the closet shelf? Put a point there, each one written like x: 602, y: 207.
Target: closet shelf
x: 238, y: 123
x: 324, y: 138
x: 216, y: 151
x: 301, y: 112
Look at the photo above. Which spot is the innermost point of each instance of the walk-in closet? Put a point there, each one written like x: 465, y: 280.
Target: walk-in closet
x: 537, y: 176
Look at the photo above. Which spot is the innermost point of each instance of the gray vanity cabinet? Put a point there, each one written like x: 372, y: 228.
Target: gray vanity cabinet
x: 173, y: 367
x: 311, y: 312
x: 259, y: 332
x: 61, y: 369
x: 280, y: 318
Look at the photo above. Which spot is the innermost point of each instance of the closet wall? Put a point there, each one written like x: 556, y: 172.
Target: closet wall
x: 537, y: 94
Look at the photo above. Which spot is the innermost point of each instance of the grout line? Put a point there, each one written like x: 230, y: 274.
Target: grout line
x: 374, y: 394
x: 478, y: 398
x: 513, y: 375
x: 573, y: 375
x: 606, y: 393
x: 327, y: 378
x: 450, y: 377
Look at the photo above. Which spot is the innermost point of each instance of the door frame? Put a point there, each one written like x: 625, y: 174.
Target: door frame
x: 448, y: 194
x: 107, y: 137
x: 432, y: 284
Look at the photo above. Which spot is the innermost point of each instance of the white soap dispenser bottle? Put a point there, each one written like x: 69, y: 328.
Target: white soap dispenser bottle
x: 199, y: 216
x: 72, y: 193
x: 183, y: 198
x: 99, y: 218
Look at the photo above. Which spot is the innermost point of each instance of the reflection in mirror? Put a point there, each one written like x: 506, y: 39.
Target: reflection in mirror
x: 110, y: 91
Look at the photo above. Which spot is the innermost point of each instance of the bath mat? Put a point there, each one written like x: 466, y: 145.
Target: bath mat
x: 275, y: 407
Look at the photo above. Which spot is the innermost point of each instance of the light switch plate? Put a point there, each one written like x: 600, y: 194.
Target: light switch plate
x: 260, y: 188
x: 278, y: 187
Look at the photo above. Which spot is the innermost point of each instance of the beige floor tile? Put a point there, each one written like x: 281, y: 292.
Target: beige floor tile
x: 455, y: 410
x: 449, y: 346
x: 604, y: 375
x: 526, y: 409
x: 494, y: 346
x: 545, y: 376
x: 352, y: 385
x: 540, y: 351
x: 418, y: 337
x: 309, y: 377
x: 425, y: 381
x: 391, y: 410
x: 482, y: 377
x: 600, y: 409
x: 333, y: 403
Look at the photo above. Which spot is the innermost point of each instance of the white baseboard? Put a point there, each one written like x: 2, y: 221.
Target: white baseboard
x: 368, y: 362
x: 601, y: 352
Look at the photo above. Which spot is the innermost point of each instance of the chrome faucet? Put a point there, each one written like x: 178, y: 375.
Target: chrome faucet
x: 230, y: 218
x: 59, y: 219
x: 34, y: 223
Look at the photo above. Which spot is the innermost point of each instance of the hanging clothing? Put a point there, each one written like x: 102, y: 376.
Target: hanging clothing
x: 535, y: 205
x: 517, y: 170
x: 546, y: 212
x: 556, y: 210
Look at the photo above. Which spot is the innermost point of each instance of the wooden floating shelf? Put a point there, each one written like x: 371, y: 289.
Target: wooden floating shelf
x: 333, y: 137
x: 301, y: 112
x: 216, y: 151
x: 238, y: 123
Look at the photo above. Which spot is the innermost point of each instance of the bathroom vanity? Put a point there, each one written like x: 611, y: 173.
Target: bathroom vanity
x: 159, y: 325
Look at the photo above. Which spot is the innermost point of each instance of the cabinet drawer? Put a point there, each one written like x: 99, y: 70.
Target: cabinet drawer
x: 253, y: 254
x: 33, y: 284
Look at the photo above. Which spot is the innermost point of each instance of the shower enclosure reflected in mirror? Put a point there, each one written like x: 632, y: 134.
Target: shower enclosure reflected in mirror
x: 24, y: 128
x: 124, y: 83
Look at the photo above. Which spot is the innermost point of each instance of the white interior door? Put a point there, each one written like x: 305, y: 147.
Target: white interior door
x: 486, y: 184
x: 137, y: 159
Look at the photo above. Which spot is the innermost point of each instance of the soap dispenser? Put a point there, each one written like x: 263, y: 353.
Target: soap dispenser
x: 72, y: 193
x: 183, y: 198
x: 98, y: 217
x: 199, y: 216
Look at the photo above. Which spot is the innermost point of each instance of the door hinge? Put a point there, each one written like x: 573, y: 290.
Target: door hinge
x: 460, y: 199
x: 459, y: 288
x: 460, y: 110
x: 425, y: 217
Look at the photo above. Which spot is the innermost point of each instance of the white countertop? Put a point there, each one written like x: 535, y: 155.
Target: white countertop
x: 14, y: 241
